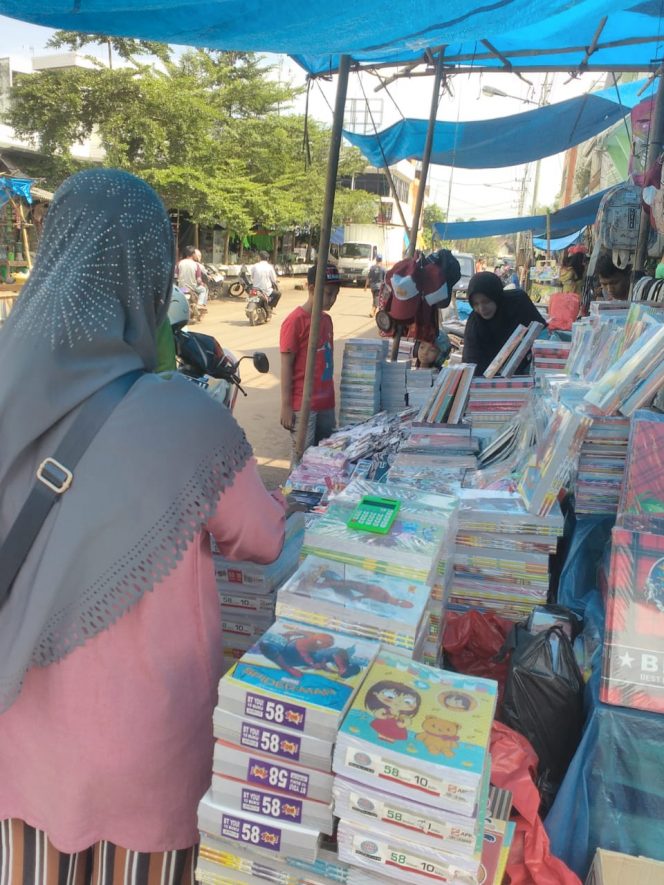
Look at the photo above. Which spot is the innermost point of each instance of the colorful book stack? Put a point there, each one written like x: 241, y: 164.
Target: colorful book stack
x: 501, y: 561
x: 521, y: 351
x: 412, y: 771
x: 634, y: 379
x: 418, y: 386
x: 411, y: 549
x: 435, y: 456
x: 247, y: 591
x: 393, y: 385
x: 633, y: 661
x: 493, y: 402
x: 349, y: 599
x: 550, y: 357
x: 601, y: 466
x: 277, y: 718
x: 555, y: 460
x: 449, y: 395
x: 360, y: 379
x: 505, y: 352
x: 321, y: 470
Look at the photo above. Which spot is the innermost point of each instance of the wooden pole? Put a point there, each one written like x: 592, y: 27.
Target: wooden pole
x: 548, y: 234
x: 655, y: 146
x: 323, y: 253
x: 24, y: 236
x: 426, y: 156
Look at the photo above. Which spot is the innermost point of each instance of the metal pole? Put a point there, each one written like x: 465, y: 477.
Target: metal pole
x: 655, y: 145
x: 388, y: 175
x: 548, y: 234
x: 323, y: 252
x: 426, y: 156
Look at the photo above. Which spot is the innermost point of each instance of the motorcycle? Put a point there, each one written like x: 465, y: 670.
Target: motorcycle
x: 202, y: 360
x: 192, y: 300
x: 215, y: 280
x: 455, y: 332
x: 258, y: 307
x: 242, y: 284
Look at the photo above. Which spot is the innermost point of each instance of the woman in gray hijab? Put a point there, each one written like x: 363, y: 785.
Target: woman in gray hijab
x: 110, y: 641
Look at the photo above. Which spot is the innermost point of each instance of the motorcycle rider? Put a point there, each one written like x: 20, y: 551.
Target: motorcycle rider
x: 188, y: 275
x: 264, y: 278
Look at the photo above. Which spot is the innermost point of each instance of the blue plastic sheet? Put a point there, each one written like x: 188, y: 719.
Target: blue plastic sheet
x: 564, y: 221
x: 558, y: 243
x: 395, y: 31
x: 489, y: 144
x: 613, y: 793
x: 578, y: 578
x: 15, y: 187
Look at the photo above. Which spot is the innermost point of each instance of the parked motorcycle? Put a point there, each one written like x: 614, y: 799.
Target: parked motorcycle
x: 215, y: 280
x: 242, y: 284
x: 202, y: 360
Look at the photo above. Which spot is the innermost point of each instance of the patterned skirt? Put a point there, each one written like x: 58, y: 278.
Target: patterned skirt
x: 28, y: 858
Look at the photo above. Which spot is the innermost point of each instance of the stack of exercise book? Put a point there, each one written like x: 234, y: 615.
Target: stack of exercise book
x: 418, y: 386
x: 493, y: 402
x: 276, y: 722
x: 554, y: 463
x: 361, y: 379
x: 412, y: 772
x: 514, y: 351
x: 248, y: 591
x: 393, y: 385
x: 501, y: 561
x: 321, y: 470
x: 435, y: 457
x: 447, y: 401
x: 350, y: 599
x: 601, y: 466
x: 550, y: 356
x: 634, y: 638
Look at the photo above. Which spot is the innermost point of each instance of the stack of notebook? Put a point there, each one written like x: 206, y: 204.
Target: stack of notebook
x: 501, y: 562
x: 361, y: 379
x: 277, y: 718
x: 393, y: 385
x: 247, y: 591
x: 449, y: 395
x: 412, y: 774
x: 550, y: 356
x: 493, y: 402
x: 418, y: 386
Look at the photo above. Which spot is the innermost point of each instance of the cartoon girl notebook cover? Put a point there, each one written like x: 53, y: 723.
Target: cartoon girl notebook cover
x: 297, y: 677
x: 419, y: 732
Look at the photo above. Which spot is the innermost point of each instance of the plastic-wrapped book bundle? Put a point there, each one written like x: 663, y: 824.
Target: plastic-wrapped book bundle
x: 361, y: 374
x: 412, y: 772
x: 276, y: 723
x: 247, y: 591
x: 501, y: 562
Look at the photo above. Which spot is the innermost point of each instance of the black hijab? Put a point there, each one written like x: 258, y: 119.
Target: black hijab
x: 484, y: 338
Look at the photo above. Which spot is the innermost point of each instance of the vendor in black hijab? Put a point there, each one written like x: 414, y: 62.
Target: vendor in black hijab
x: 496, y: 314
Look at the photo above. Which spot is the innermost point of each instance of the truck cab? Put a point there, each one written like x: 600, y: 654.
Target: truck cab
x: 354, y: 260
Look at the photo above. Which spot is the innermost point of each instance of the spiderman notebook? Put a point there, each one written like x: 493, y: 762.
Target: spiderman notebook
x: 633, y: 660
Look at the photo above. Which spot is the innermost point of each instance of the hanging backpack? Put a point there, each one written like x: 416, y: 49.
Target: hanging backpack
x: 618, y: 221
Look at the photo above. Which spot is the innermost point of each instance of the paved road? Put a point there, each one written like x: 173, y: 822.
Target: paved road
x: 259, y: 412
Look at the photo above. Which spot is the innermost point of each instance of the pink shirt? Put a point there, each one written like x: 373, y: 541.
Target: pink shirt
x: 115, y: 741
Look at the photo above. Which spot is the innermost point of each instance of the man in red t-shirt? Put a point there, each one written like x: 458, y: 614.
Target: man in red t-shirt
x: 293, y: 343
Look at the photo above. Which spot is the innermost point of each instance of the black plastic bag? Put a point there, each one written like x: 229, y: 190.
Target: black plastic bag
x: 544, y: 702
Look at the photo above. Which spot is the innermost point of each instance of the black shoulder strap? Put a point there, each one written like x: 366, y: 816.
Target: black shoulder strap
x: 55, y: 475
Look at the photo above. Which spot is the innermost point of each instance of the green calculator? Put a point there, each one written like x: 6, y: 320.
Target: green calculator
x: 374, y: 514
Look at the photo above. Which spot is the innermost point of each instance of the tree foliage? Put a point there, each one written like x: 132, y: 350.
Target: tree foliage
x: 207, y: 130
x: 431, y: 214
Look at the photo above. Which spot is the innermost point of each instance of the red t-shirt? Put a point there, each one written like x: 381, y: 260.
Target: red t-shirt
x: 294, y: 338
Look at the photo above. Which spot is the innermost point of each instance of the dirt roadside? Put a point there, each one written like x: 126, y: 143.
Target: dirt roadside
x: 258, y: 412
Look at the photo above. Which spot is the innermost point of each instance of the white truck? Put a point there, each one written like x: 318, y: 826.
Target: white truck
x: 362, y: 242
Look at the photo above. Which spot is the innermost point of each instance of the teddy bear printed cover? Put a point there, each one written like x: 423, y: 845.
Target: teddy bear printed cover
x: 419, y: 732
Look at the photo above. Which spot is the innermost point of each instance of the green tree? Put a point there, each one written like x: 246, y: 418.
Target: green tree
x: 207, y: 131
x: 125, y: 47
x: 431, y: 214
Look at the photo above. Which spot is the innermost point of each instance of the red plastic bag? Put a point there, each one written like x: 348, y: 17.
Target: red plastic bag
x: 564, y: 308
x: 472, y: 642
x: 513, y: 764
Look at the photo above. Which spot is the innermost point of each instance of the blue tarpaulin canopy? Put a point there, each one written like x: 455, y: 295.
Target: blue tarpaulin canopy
x: 505, y: 141
x: 558, y: 243
x: 15, y: 187
x: 394, y: 32
x: 562, y: 223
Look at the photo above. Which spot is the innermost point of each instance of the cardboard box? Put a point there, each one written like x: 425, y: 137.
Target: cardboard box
x: 612, y: 868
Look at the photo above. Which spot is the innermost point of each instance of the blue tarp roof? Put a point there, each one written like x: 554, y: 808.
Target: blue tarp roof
x: 15, y: 187
x: 562, y: 223
x: 558, y: 243
x: 505, y: 141
x: 395, y: 31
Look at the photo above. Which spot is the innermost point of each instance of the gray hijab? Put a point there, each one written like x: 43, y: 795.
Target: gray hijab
x: 153, y: 475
